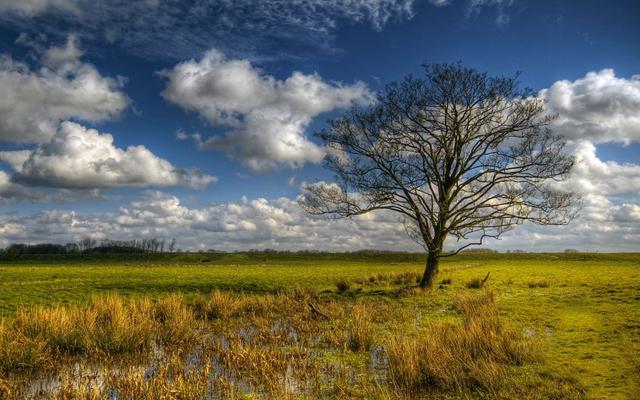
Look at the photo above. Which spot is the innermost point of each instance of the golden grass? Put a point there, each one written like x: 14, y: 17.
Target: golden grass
x: 470, y: 357
x: 406, y: 278
x: 219, y: 305
x: 229, y: 345
x: 108, y: 325
x: 360, y: 329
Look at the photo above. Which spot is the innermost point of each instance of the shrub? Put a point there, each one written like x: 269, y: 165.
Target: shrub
x: 343, y: 285
x: 475, y: 283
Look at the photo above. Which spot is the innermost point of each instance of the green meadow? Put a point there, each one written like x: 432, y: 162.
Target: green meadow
x: 580, y: 312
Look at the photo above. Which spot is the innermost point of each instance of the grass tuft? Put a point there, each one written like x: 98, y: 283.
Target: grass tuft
x: 538, y: 283
x: 446, y: 281
x: 360, y: 333
x: 219, y: 305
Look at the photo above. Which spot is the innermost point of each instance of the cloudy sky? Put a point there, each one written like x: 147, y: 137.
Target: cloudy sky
x: 195, y: 119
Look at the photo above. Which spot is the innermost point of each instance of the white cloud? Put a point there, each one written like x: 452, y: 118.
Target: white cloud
x: 77, y: 157
x: 281, y: 224
x: 440, y: 3
x: 502, y: 16
x: 14, y: 193
x: 268, y: 116
x: 601, y: 226
x: 35, y: 7
x: 179, y: 29
x: 34, y: 102
x: 591, y: 175
x: 257, y: 223
x: 599, y: 107
x: 11, y: 192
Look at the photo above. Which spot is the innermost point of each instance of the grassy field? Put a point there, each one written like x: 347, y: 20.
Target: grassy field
x: 579, y: 313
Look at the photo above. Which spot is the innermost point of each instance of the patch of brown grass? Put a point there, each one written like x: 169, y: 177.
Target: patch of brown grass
x: 360, y: 333
x: 108, y: 325
x: 218, y: 305
x: 467, y: 357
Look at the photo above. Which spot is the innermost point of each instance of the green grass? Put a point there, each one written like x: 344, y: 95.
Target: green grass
x: 585, y: 322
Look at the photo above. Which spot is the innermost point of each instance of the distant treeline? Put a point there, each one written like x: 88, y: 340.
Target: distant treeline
x: 145, y: 246
x: 91, y: 246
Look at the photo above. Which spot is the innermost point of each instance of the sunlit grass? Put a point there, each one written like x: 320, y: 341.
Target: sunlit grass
x: 579, y: 312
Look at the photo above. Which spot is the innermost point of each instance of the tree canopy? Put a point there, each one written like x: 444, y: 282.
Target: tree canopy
x: 457, y: 153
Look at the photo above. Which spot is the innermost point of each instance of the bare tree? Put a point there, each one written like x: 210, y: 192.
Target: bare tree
x: 457, y: 153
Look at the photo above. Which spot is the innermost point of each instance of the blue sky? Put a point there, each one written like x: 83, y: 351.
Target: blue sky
x: 130, y: 56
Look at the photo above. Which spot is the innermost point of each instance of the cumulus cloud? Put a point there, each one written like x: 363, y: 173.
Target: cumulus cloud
x: 11, y: 192
x: 603, y: 225
x: 268, y: 117
x: 14, y: 193
x: 599, y: 107
x: 34, y: 102
x: 82, y: 158
x: 179, y: 29
x: 591, y: 175
x: 244, y: 224
x: 281, y: 224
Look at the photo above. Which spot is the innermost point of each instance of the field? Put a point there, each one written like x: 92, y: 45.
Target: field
x: 320, y: 325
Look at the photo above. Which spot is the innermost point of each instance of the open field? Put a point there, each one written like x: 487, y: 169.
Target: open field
x: 543, y: 326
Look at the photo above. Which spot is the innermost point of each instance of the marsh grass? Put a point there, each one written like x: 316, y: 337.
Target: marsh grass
x: 263, y: 341
x: 230, y: 345
x: 462, y: 358
x: 360, y: 330
x: 108, y: 325
x: 218, y: 305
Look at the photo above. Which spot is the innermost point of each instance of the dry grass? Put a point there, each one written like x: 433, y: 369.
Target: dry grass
x: 219, y: 305
x: 229, y: 345
x: 470, y: 357
x: 538, y: 283
x: 360, y: 330
x: 109, y: 325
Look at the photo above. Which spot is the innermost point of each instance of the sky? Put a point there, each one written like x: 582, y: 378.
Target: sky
x: 195, y: 120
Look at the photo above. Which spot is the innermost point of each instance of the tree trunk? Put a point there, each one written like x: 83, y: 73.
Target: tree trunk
x: 430, y: 271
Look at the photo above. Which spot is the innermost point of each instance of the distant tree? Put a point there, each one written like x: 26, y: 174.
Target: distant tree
x: 479, y: 251
x: 172, y: 245
x: 86, y: 244
x: 457, y: 153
